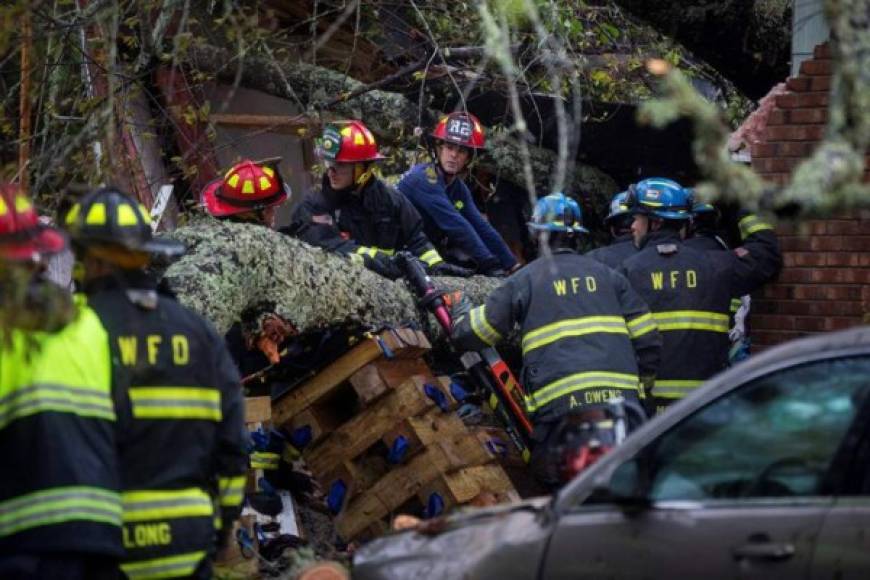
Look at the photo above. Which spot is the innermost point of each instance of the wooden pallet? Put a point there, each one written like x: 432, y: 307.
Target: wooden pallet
x: 360, y: 405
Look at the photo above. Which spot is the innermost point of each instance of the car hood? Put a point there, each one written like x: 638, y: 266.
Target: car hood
x: 502, y: 541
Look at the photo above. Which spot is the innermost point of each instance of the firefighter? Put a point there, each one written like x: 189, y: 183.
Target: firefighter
x: 450, y: 217
x: 60, y: 510
x: 248, y: 192
x: 177, y: 395
x: 689, y: 291
x: 587, y: 337
x: 358, y: 215
x: 704, y: 235
x: 622, y: 245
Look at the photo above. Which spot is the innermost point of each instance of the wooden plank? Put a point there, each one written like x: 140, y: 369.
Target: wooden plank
x: 358, y: 475
x: 273, y: 123
x: 258, y: 409
x: 497, y: 437
x: 382, y: 375
x: 326, y: 380
x: 320, y: 420
x: 397, y: 486
x: 470, y: 483
x: 426, y: 430
x: 406, y: 342
x: 361, y: 432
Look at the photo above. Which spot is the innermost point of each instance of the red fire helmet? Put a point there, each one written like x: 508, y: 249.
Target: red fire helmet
x: 462, y: 129
x: 22, y: 237
x: 349, y: 142
x: 245, y: 187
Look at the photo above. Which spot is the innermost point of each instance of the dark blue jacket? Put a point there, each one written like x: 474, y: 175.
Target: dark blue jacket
x: 449, y: 212
x: 621, y: 248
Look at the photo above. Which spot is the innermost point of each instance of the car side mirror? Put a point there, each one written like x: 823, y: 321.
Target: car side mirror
x: 625, y: 489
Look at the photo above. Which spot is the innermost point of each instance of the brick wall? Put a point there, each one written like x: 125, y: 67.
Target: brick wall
x: 825, y: 282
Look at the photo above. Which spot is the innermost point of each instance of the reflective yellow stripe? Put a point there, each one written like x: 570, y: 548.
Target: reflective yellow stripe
x: 736, y: 303
x: 145, y: 505
x: 58, y: 505
x: 232, y: 490
x: 431, y: 257
x: 372, y: 251
x: 481, y: 326
x: 356, y: 258
x: 572, y: 327
x: 127, y: 215
x: 176, y: 403
x: 578, y: 382
x: 751, y: 224
x: 641, y: 325
x: 39, y: 398
x: 181, y: 565
x: 691, y: 320
x: 674, y: 389
x: 96, y: 215
x: 265, y: 460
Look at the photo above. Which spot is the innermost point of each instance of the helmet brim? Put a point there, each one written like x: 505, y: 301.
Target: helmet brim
x: 562, y: 229
x: 217, y: 206
x: 42, y: 241
x: 444, y: 139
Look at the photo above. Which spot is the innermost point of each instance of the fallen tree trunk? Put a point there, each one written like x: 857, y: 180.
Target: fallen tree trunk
x: 234, y: 272
x: 392, y: 116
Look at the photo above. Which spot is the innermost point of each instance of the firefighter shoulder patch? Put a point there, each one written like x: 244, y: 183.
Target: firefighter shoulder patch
x: 431, y: 175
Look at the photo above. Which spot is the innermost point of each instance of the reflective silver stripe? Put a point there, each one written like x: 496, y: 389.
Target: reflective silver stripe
x: 641, y: 325
x: 431, y: 257
x: 481, y: 326
x: 144, y: 505
x: 59, y: 505
x: 691, y: 320
x: 176, y: 403
x: 232, y: 490
x: 572, y: 327
x: 674, y: 389
x: 41, y: 397
x: 578, y: 382
x: 169, y: 567
x: 751, y: 224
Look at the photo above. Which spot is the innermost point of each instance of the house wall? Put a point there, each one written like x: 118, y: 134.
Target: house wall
x: 234, y: 143
x: 825, y: 282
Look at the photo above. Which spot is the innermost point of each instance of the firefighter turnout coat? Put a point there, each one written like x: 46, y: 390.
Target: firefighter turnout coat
x: 451, y: 218
x: 181, y: 439
x: 369, y: 226
x: 586, y: 334
x: 689, y: 292
x: 59, y: 490
x: 621, y: 248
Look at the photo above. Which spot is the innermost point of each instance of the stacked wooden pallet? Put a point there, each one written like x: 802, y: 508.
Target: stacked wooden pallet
x: 380, y: 397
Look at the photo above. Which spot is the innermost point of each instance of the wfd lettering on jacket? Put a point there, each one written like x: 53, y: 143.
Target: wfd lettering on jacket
x: 129, y: 347
x: 562, y: 285
x: 689, y: 279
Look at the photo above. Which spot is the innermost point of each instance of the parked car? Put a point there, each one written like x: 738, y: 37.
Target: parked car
x: 762, y: 473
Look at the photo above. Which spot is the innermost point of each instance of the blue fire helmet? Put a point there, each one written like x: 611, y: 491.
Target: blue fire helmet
x: 703, y: 208
x: 661, y: 198
x: 557, y: 213
x: 618, y: 207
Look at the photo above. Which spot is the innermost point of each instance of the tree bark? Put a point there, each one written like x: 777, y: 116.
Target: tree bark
x: 235, y: 271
